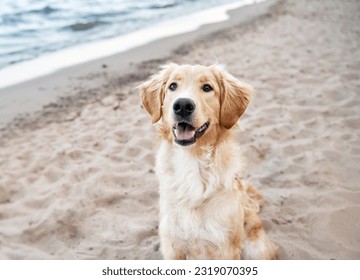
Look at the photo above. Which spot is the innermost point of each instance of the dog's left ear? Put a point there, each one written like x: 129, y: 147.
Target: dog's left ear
x: 234, y: 99
x: 152, y: 92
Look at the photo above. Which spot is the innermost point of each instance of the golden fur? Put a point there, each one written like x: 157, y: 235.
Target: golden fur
x: 206, y: 210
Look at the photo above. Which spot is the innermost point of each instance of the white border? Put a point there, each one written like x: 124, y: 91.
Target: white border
x: 60, y: 270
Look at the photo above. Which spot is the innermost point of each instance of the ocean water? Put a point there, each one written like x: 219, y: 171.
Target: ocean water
x: 41, y: 36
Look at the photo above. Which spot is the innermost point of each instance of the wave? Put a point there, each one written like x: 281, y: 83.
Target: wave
x: 83, y: 26
x: 48, y: 63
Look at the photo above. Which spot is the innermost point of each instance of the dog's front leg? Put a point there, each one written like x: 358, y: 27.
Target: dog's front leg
x: 170, y: 251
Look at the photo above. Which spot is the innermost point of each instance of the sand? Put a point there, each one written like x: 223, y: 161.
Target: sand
x: 77, y: 177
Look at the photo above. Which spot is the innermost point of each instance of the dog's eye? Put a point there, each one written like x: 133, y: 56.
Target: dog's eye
x: 173, y: 86
x: 207, y: 88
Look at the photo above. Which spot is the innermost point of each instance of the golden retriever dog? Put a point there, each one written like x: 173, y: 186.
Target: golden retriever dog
x: 206, y: 210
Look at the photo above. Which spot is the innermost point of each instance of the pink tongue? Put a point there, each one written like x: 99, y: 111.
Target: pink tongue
x: 184, y: 134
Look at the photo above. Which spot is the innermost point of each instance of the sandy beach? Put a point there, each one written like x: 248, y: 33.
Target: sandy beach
x: 77, y: 150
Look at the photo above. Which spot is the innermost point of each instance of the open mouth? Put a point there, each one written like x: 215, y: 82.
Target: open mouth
x: 185, y: 134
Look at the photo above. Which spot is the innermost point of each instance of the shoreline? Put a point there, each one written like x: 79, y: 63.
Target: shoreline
x: 49, y: 63
x: 19, y: 102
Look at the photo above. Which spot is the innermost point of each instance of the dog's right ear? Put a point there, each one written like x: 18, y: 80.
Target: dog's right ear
x: 152, y: 92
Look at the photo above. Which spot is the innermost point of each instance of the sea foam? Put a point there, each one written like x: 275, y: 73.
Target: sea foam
x: 50, y: 63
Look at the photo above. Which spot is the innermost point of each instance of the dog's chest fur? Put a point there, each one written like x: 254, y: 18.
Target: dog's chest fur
x: 199, y: 196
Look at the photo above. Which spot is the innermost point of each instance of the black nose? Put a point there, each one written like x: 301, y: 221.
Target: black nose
x: 184, y: 107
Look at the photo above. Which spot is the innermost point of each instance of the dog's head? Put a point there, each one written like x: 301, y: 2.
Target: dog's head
x: 193, y: 102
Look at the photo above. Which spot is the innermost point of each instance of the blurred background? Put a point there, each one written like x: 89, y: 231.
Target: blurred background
x: 31, y: 28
